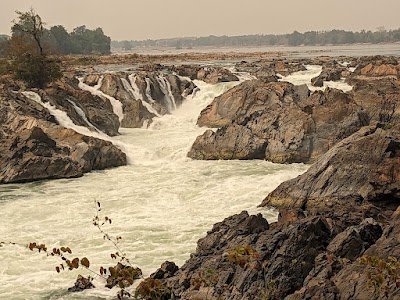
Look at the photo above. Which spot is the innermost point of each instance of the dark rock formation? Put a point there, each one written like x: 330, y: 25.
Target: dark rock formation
x: 336, y: 277
x: 277, y: 247
x: 154, y: 93
x: 65, y: 95
x: 362, y: 167
x: 211, y: 75
x: 327, y: 75
x: 34, y: 147
x: 277, y: 122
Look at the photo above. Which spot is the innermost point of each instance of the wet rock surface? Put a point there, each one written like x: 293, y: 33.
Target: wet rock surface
x: 34, y: 147
x: 278, y: 122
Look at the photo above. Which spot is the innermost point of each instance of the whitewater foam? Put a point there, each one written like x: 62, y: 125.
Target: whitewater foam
x: 161, y: 205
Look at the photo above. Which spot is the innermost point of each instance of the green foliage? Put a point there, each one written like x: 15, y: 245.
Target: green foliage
x: 30, y: 26
x: 26, y: 51
x: 153, y: 289
x: 383, y: 276
x: 309, y: 38
x: 80, y: 41
x: 35, y: 70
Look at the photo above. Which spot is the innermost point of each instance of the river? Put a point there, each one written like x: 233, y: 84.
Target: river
x: 161, y: 204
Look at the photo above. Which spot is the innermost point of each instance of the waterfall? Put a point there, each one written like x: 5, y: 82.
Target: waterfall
x: 64, y: 120
x: 166, y: 89
x: 134, y: 90
x: 116, y: 104
x: 148, y: 90
x: 81, y: 113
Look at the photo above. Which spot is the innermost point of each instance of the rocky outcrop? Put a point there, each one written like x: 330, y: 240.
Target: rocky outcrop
x: 378, y: 97
x: 144, y: 95
x: 337, y: 277
x: 211, y: 75
x: 267, y: 70
x: 82, y: 108
x: 244, y: 257
x: 327, y: 75
x: 363, y: 168
x: 271, y: 251
x: 277, y: 122
x: 34, y: 147
x: 377, y: 66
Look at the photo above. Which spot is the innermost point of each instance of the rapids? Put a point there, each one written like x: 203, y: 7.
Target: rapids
x: 161, y: 204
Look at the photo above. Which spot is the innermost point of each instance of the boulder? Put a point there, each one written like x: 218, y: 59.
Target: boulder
x: 327, y: 75
x: 277, y: 122
x: 352, y: 242
x: 363, y: 168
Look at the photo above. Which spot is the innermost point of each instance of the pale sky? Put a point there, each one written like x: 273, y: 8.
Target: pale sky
x: 153, y: 19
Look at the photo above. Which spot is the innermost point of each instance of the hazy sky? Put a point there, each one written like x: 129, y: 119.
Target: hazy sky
x: 151, y: 19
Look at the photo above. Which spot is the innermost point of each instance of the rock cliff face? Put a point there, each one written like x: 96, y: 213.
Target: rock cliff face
x: 379, y: 98
x: 83, y: 108
x: 33, y: 146
x: 362, y: 168
x: 279, y: 122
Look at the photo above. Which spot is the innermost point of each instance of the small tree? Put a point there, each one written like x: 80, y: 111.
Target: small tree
x: 27, y: 51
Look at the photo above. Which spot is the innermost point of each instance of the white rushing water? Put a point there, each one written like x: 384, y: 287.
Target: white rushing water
x: 95, y: 90
x: 304, y: 77
x: 161, y: 204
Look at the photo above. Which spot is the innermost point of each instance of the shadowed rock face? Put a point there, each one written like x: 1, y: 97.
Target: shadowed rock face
x: 34, y: 147
x: 362, y: 167
x: 378, y: 96
x: 65, y: 94
x: 161, y: 92
x: 278, y: 122
x: 277, y: 246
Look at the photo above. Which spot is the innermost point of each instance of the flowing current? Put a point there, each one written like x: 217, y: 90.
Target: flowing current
x: 161, y: 204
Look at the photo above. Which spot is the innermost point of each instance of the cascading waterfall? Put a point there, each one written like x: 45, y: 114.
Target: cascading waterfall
x: 64, y: 120
x: 116, y: 104
x: 134, y: 90
x: 148, y: 90
x: 166, y: 89
x: 81, y: 113
x: 161, y: 205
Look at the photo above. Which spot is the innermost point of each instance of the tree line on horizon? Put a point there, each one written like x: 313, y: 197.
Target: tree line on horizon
x: 309, y: 38
x: 58, y: 40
